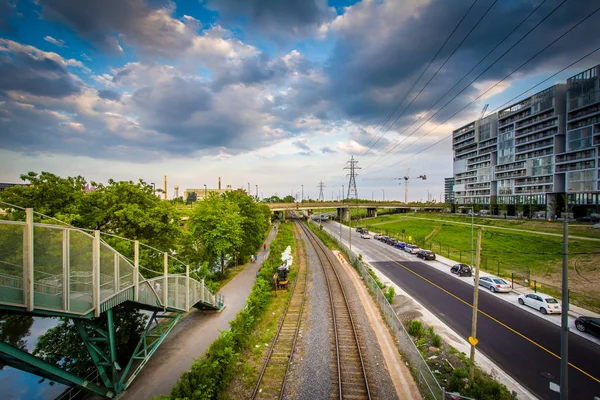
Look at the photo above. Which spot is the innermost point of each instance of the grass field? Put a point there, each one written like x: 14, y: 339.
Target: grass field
x: 537, y: 256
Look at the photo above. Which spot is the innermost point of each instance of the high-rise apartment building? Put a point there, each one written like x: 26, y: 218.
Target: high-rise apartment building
x: 534, y: 151
x: 449, y: 190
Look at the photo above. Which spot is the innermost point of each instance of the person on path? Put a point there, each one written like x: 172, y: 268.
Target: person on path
x: 264, y: 247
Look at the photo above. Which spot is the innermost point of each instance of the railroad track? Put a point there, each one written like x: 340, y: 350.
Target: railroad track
x: 273, y: 377
x: 350, y: 372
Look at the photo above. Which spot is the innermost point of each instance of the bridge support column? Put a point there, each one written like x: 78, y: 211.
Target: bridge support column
x: 136, y: 270
x: 343, y: 214
x: 371, y: 212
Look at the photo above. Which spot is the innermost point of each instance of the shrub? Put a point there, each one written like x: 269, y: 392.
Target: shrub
x: 436, y: 340
x: 415, y: 328
x: 390, y: 293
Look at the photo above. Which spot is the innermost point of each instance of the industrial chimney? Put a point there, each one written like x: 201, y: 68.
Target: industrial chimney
x: 176, y: 192
x: 219, y: 183
x: 165, y: 193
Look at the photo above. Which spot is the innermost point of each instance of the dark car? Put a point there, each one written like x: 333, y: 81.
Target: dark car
x: 426, y: 254
x: 360, y: 230
x: 392, y: 241
x: 400, y: 245
x: 588, y: 324
x: 461, y: 270
x: 384, y: 238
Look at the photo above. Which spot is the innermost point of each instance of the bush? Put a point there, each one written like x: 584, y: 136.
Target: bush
x: 415, y: 328
x: 390, y: 293
x: 211, y: 374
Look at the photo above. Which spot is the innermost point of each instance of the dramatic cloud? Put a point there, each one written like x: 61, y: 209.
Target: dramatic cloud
x: 327, y: 150
x: 30, y: 70
x: 56, y: 42
x: 276, y: 19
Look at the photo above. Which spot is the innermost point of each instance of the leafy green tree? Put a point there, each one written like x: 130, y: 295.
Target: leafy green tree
x: 47, y: 194
x: 288, y: 199
x: 273, y: 199
x: 217, y: 223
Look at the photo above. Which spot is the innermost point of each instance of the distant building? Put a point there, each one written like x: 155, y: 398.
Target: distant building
x: 200, y: 194
x: 449, y: 190
x: 535, y: 151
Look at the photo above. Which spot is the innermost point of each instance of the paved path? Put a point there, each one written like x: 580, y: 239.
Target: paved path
x: 192, y: 336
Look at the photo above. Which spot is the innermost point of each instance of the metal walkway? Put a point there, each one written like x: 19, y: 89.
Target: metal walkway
x: 61, y: 271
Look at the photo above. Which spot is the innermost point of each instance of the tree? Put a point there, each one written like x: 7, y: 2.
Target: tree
x: 217, y: 223
x: 288, y: 199
x: 273, y: 199
x: 47, y: 194
x: 13, y: 330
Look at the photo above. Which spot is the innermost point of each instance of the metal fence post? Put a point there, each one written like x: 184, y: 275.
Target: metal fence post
x: 512, y: 277
x: 165, y: 279
x: 534, y: 286
x: 136, y: 270
x: 187, y: 287
x: 117, y: 274
x: 202, y: 291
x: 66, y: 270
x: 96, y: 274
x: 28, y: 277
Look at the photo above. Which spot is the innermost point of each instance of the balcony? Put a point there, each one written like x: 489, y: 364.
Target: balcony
x: 575, y: 166
x: 533, y: 146
x: 510, y: 167
x: 535, y: 154
x: 537, y: 127
x: 534, y: 189
x: 583, y: 113
x: 478, y: 186
x: 534, y: 119
x: 533, y: 181
x: 510, y: 175
x: 462, y: 138
x: 506, y: 129
x: 536, y: 137
x: 478, y: 166
x: 583, y: 122
x: 586, y: 99
x: 515, y: 108
x: 505, y: 190
x: 580, y: 155
x: 464, y: 129
x: 514, y: 118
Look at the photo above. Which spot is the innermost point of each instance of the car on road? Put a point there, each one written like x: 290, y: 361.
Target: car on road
x: 411, y: 248
x: 376, y: 236
x: 383, y: 238
x: 426, y: 254
x: 542, y: 302
x: 400, y: 245
x: 495, y: 284
x: 461, y: 270
x: 360, y: 230
x: 392, y: 241
x: 588, y: 324
x: 365, y: 235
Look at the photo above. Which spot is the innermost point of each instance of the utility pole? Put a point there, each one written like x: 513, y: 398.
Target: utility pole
x: 473, y: 338
x: 321, y: 185
x: 564, y: 316
x: 256, y: 192
x: 302, y: 201
x: 351, y: 165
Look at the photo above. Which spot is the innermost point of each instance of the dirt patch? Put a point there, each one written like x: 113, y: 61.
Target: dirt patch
x: 433, y: 233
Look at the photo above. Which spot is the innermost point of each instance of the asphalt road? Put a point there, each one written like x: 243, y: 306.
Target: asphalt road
x: 519, y: 343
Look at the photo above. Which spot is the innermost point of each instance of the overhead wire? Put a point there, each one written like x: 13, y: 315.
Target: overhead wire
x: 489, y: 89
x: 493, y: 111
x: 416, y: 81
x: 438, y: 70
x: 475, y: 66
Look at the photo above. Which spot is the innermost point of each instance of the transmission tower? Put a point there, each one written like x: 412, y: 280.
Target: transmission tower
x: 321, y: 185
x: 352, y: 182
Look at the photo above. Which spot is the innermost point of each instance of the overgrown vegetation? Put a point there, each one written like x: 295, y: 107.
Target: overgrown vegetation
x: 211, y: 374
x: 452, y: 368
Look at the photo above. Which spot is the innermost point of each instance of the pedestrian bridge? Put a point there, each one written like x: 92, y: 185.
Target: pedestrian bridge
x: 61, y: 271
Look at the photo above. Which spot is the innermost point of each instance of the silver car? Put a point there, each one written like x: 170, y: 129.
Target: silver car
x: 495, y: 284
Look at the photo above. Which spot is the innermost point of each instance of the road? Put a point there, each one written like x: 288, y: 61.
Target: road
x: 524, y: 346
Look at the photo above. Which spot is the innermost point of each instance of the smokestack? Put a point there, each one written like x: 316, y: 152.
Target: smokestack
x: 165, y: 193
x: 176, y: 192
x: 219, y: 183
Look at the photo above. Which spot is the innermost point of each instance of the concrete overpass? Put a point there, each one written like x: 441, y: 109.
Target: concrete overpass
x: 343, y: 208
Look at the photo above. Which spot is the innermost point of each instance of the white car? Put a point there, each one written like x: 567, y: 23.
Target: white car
x: 411, y: 248
x: 542, y: 302
x: 365, y: 236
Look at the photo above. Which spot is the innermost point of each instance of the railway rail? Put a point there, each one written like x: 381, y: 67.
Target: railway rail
x: 273, y: 377
x: 350, y: 372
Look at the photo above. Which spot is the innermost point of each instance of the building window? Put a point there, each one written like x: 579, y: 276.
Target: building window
x: 579, y: 139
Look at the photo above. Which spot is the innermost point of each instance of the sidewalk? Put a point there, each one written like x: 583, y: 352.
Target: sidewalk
x: 192, y: 336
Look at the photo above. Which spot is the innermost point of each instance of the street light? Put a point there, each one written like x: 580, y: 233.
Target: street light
x: 428, y: 196
x: 383, y: 194
x: 302, y: 194
x: 205, y: 191
x: 256, y: 192
x: 153, y: 188
x: 373, y: 196
x: 342, y: 193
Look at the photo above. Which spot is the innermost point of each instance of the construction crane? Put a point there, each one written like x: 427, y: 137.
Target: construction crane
x: 406, y: 178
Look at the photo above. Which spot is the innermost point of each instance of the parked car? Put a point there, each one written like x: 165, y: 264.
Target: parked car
x: 376, y: 236
x: 392, y: 241
x: 400, y: 245
x: 588, y: 324
x: 461, y: 270
x: 494, y: 284
x: 383, y: 238
x: 546, y: 304
x: 411, y: 248
x: 365, y: 235
x: 359, y: 229
x: 426, y: 254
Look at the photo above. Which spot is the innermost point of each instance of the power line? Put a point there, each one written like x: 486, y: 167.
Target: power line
x: 495, y: 110
x: 493, y: 86
x: 321, y: 185
x: 438, y: 70
x: 483, y: 72
x: 352, y: 182
x: 415, y: 83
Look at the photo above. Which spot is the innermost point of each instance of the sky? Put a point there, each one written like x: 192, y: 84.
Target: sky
x: 278, y: 95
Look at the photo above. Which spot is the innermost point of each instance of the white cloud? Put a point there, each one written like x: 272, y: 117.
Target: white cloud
x: 56, y: 42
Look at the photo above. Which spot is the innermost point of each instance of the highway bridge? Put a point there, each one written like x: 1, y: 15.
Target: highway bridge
x: 344, y: 207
